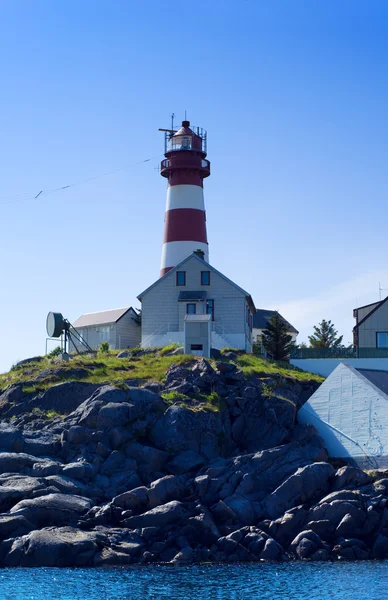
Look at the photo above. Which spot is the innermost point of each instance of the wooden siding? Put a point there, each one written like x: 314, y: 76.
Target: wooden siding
x: 376, y: 322
x: 161, y: 309
x: 128, y: 332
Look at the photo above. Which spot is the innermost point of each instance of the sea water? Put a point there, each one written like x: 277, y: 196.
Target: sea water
x: 286, y: 581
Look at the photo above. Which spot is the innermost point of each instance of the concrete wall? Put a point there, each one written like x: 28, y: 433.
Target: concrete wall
x: 350, y: 414
x: 325, y: 366
x: 163, y: 315
x: 376, y: 322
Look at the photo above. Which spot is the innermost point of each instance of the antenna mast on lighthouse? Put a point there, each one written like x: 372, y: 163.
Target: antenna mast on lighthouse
x: 185, y: 167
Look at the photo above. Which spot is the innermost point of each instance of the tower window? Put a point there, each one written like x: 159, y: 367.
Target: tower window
x: 191, y: 309
x: 382, y: 339
x: 181, y: 277
x: 205, y: 277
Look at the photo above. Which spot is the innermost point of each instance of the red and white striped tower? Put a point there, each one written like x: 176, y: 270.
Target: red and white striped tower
x: 185, y: 167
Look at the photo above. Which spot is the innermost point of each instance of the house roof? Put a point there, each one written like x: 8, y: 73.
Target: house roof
x: 378, y: 378
x: 203, y: 262
x: 262, y: 316
x: 101, y: 318
x: 378, y: 305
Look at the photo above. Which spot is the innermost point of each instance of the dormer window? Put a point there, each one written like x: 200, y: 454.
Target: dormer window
x: 181, y: 277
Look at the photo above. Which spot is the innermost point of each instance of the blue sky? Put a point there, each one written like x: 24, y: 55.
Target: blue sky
x: 293, y: 95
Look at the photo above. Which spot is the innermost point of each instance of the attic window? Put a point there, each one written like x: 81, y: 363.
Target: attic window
x: 181, y: 277
x: 205, y: 277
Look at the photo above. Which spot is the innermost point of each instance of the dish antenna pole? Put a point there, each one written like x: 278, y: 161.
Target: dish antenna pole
x: 381, y: 290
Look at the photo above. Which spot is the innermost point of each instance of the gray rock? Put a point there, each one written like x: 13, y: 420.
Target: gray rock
x: 307, y: 483
x: 185, y: 462
x: 150, y: 460
x: 305, y: 544
x: 66, y: 485
x: 136, y: 499
x: 27, y: 361
x: 63, y: 397
x: 124, y: 354
x: 165, y: 489
x: 350, y: 477
x: 58, y: 509
x: 380, y: 548
x: 45, y: 468
x: 11, y: 439
x: 11, y: 462
x: 271, y: 551
x: 167, y: 514
x: 13, y: 526
x: 53, y: 547
x: 78, y: 435
x: 181, y: 429
x: 114, y: 461
x: 113, y: 414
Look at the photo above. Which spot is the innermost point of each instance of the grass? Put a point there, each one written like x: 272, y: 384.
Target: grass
x: 211, y: 401
x: 253, y: 365
x: 104, y: 368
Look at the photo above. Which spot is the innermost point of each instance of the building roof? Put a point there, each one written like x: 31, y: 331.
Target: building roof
x: 103, y: 317
x: 378, y: 378
x: 203, y: 262
x: 262, y: 316
x: 378, y: 305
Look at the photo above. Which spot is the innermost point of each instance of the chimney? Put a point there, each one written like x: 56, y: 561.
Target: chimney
x: 200, y: 253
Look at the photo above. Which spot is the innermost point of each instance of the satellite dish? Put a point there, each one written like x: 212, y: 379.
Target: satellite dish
x: 55, y: 324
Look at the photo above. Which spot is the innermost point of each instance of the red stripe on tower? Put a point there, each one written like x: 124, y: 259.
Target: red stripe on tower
x: 185, y: 168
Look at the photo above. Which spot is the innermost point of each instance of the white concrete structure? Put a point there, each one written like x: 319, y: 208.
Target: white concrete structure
x: 350, y: 412
x: 193, y: 287
x: 325, y: 366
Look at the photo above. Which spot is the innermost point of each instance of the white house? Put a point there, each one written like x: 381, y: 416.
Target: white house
x: 120, y: 327
x: 196, y: 306
x: 350, y: 412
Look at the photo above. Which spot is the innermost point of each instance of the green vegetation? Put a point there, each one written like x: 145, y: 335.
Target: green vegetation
x: 150, y: 366
x: 253, y: 365
x: 325, y: 336
x: 56, y: 352
x: 276, y: 340
x: 103, y: 348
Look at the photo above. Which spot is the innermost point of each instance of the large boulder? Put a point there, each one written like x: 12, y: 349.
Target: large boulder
x: 167, y: 514
x: 308, y: 483
x: 11, y: 439
x: 264, y: 423
x: 181, y: 429
x: 63, y: 397
x: 167, y: 488
x: 53, y: 509
x: 54, y: 547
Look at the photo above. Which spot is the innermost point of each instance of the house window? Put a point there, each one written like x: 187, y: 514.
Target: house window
x: 210, y: 308
x: 191, y: 309
x: 382, y: 339
x: 181, y: 277
x: 205, y: 277
x: 196, y: 347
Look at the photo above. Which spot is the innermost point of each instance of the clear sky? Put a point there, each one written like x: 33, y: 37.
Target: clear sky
x: 294, y: 96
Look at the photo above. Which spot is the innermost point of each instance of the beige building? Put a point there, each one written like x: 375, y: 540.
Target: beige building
x: 371, y: 329
x: 120, y: 327
x: 192, y: 303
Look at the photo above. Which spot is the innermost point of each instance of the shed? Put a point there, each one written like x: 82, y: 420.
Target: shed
x: 120, y: 327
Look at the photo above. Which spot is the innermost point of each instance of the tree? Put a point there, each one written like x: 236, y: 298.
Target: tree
x: 325, y: 336
x: 276, y: 340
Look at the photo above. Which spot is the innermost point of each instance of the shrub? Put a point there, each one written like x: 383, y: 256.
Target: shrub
x: 104, y: 348
x: 56, y: 352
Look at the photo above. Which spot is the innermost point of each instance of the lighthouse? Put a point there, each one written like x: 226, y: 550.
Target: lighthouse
x: 185, y: 167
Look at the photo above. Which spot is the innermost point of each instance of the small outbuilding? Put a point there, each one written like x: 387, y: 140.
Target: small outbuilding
x: 350, y: 412
x: 120, y: 327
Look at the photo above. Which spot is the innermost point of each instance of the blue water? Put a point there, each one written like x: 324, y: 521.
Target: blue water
x: 291, y: 581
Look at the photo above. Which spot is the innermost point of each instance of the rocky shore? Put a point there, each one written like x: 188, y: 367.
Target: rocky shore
x: 208, y: 466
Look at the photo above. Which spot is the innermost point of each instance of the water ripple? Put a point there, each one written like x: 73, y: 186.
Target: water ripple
x: 290, y: 581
